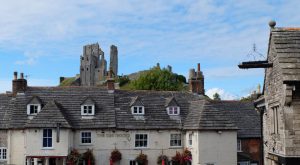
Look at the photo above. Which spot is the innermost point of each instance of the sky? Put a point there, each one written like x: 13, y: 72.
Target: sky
x: 44, y: 39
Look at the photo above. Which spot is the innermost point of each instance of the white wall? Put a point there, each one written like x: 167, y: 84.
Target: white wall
x: 215, y: 147
x: 104, y: 143
x: 16, y: 144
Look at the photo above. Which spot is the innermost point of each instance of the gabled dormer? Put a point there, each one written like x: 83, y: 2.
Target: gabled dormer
x: 88, y: 107
x: 137, y: 106
x: 172, y: 106
x: 34, y: 106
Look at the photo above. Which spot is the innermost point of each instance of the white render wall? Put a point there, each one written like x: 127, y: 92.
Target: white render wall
x: 216, y: 147
x: 104, y: 143
x: 207, y: 147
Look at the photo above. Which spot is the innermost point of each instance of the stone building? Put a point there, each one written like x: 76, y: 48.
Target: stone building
x: 279, y: 104
x: 93, y: 67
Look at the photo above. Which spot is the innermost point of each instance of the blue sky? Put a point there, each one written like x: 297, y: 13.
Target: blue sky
x: 44, y: 39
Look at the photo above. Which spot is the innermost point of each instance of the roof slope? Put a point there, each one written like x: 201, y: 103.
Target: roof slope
x: 243, y: 115
x: 69, y: 99
x: 285, y: 43
x: 49, y: 117
x: 205, y: 116
x: 5, y: 106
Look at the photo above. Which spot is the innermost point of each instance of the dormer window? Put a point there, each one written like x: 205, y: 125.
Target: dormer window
x: 34, y: 106
x: 173, y: 110
x: 87, y: 110
x: 137, y: 106
x: 33, y: 109
x: 137, y: 110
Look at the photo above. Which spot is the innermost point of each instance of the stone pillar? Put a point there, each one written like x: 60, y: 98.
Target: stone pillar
x: 46, y: 161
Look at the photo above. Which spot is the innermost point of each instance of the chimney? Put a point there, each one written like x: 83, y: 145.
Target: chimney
x: 18, y: 85
x: 196, y: 81
x: 110, y: 82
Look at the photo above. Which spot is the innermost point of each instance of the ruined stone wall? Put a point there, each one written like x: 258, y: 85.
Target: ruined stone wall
x: 114, y: 59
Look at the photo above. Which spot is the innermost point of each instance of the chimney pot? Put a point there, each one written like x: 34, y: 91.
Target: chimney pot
x: 15, y: 75
x: 21, y: 75
x: 198, y: 67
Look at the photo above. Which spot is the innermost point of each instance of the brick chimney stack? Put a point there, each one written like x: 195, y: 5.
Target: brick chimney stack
x: 110, y: 81
x: 196, y: 81
x: 18, y: 85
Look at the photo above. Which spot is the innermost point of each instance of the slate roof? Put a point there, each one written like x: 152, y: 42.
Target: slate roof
x: 50, y: 115
x: 112, y: 110
x: 285, y: 42
x: 206, y: 116
x: 244, y: 116
x: 5, y: 106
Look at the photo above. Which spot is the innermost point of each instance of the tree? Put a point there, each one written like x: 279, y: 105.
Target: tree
x: 216, y: 96
x: 158, y: 79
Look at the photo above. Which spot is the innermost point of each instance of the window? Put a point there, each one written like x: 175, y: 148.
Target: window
x: 3, y: 153
x: 137, y: 110
x: 33, y: 109
x: 173, y: 110
x: 47, y: 138
x: 175, y: 140
x: 86, y: 137
x: 87, y: 110
x: 239, y: 145
x: 190, y: 139
x: 275, y: 120
x: 141, y: 140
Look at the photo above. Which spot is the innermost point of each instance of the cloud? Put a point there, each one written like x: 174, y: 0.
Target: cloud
x: 31, y: 58
x: 223, y: 94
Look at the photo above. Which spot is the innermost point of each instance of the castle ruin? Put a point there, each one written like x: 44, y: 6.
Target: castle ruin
x: 93, y: 69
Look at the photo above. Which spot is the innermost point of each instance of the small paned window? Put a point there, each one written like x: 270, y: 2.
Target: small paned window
x: 33, y: 109
x: 141, y: 140
x: 87, y: 110
x: 174, y: 110
x: 86, y: 137
x: 190, y: 139
x: 3, y: 153
x: 175, y: 140
x: 47, y: 138
x: 137, y: 110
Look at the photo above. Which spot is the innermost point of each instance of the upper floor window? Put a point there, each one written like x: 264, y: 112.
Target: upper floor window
x: 87, y: 109
x: 86, y: 137
x: 175, y: 140
x: 33, y: 109
x: 137, y: 110
x: 239, y: 145
x: 190, y: 139
x: 141, y: 140
x: 47, y: 138
x: 173, y: 110
x: 3, y: 153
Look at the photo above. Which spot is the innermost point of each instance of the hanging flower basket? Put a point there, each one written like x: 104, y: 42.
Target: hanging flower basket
x: 177, y: 159
x: 115, y: 156
x: 162, y: 157
x: 88, y: 157
x: 74, y: 157
x: 142, y: 159
x: 186, y: 156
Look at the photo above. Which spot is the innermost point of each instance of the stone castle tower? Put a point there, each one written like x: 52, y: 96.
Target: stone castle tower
x: 93, y: 69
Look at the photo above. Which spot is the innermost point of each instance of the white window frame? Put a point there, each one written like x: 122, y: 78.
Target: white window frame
x: 132, y: 162
x: 171, y: 110
x: 87, y: 113
x: 48, y: 137
x: 190, y: 139
x: 38, y: 109
x: 81, y: 137
x: 2, y: 149
x: 173, y: 139
x: 140, y: 110
x: 239, y: 145
x: 135, y: 140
